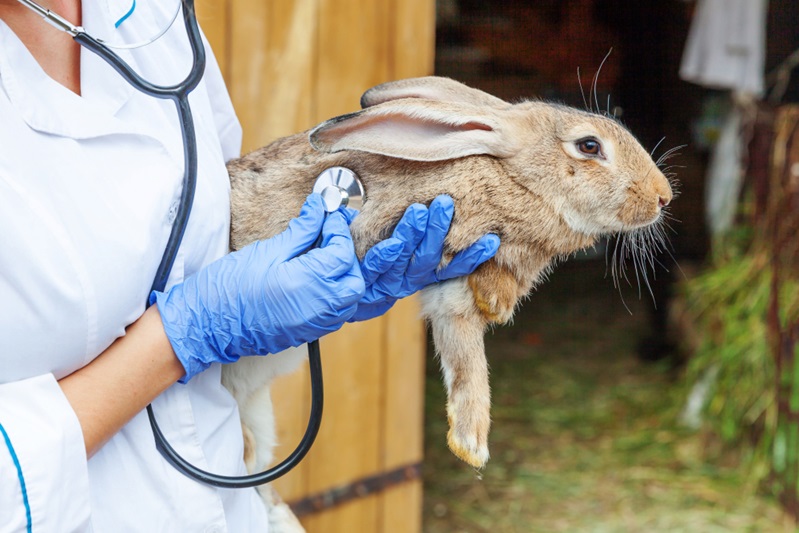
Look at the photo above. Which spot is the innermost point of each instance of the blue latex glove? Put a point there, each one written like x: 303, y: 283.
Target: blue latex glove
x: 267, y: 296
x: 408, y: 261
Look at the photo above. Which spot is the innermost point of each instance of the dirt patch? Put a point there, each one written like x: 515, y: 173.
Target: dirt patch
x: 584, y: 434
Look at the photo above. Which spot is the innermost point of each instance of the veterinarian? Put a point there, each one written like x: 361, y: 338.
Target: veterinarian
x: 90, y: 173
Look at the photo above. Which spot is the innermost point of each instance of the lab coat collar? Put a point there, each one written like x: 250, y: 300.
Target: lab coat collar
x: 49, y: 107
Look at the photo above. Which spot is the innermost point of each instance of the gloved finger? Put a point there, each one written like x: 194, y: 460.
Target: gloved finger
x: 380, y: 258
x: 469, y: 259
x: 336, y: 227
x: 410, y: 230
x: 366, y: 311
x: 335, y: 256
x: 428, y: 255
x: 303, y: 230
x: 411, y: 227
x: 336, y: 296
x: 349, y: 213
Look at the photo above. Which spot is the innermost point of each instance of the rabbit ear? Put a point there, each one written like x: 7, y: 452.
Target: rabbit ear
x: 420, y: 130
x: 429, y: 88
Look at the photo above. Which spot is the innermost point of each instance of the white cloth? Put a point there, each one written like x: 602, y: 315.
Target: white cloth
x: 724, y: 175
x: 88, y: 188
x: 726, y: 46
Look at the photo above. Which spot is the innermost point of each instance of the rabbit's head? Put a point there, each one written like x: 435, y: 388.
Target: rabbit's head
x: 597, y: 173
x: 588, y: 167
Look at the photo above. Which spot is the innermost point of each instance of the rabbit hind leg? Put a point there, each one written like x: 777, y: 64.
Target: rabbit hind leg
x: 458, y: 328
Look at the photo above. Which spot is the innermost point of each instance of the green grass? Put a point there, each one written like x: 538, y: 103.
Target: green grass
x: 584, y: 435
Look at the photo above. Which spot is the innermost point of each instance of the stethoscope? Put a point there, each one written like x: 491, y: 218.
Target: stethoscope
x: 338, y: 186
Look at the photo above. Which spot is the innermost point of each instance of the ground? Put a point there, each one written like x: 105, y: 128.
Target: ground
x: 585, y: 436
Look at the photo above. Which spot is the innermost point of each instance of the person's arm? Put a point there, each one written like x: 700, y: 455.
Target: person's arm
x: 136, y: 368
x: 49, y: 429
x: 44, y: 478
x: 123, y: 380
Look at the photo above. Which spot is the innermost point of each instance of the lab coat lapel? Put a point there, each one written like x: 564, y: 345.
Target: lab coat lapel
x: 49, y: 107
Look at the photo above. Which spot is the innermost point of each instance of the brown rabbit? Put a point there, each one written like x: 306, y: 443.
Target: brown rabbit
x: 548, y: 179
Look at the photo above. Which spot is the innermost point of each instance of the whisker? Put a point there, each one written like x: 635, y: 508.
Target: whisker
x: 674, y: 259
x: 614, y: 263
x: 636, y: 258
x: 674, y: 149
x: 652, y: 153
x: 582, y: 93
x: 616, y: 282
x: 661, y: 161
x: 668, y: 154
x: 667, y: 216
x: 646, y: 250
x: 669, y: 167
x: 596, y: 79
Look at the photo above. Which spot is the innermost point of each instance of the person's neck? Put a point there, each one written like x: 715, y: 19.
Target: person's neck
x: 56, y: 52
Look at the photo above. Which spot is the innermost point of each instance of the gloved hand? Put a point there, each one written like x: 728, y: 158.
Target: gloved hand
x: 408, y: 261
x: 267, y: 296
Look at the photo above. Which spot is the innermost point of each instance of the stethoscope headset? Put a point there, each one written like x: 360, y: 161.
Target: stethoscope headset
x: 338, y: 186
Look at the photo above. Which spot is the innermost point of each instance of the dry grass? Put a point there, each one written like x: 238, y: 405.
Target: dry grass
x: 584, y: 436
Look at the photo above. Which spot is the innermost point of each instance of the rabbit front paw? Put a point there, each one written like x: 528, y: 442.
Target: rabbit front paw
x: 496, y: 291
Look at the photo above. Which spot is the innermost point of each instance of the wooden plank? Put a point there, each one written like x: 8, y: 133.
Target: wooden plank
x: 213, y: 16
x: 402, y: 508
x: 403, y: 413
x: 352, y: 53
x: 287, y: 81
x: 348, y: 443
x: 248, y: 50
x: 413, y: 38
x: 291, y: 403
x: 352, y: 517
x: 271, y: 76
x: 403, y: 384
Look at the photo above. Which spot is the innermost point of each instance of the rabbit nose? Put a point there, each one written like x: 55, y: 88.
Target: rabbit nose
x: 663, y: 202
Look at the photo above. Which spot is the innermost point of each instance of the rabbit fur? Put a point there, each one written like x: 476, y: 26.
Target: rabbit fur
x: 548, y: 179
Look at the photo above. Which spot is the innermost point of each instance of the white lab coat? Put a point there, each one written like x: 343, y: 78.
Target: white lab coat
x: 88, y: 189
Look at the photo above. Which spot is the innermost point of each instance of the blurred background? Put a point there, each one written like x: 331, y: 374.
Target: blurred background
x: 616, y: 409
x: 672, y: 406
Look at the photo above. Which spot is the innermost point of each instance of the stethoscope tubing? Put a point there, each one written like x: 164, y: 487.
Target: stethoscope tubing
x: 179, y: 94
x: 253, y: 480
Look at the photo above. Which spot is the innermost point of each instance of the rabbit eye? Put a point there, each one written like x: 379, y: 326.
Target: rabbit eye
x: 590, y: 147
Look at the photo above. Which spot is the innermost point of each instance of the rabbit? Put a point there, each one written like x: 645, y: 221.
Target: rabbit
x: 548, y: 179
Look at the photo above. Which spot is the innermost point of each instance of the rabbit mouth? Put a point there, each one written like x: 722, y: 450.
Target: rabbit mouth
x: 649, y: 216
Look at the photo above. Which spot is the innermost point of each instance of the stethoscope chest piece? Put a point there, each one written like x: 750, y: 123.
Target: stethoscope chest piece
x: 340, y: 186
